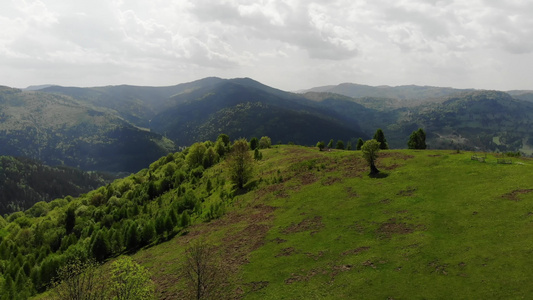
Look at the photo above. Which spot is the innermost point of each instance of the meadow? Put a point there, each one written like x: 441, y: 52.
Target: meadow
x: 436, y: 224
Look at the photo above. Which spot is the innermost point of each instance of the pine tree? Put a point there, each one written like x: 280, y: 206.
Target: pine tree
x: 379, y: 136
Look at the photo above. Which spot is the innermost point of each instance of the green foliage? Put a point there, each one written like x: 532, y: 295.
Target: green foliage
x: 320, y: 145
x: 379, y: 136
x: 265, y: 142
x: 80, y: 281
x: 370, y: 151
x: 129, y: 280
x: 257, y: 154
x: 25, y: 182
x: 254, y: 143
x: 417, y: 139
x: 330, y: 144
x: 340, y: 145
x: 240, y: 163
x: 360, y: 143
x: 195, y: 157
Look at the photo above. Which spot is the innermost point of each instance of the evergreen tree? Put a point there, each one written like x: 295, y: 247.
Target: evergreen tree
x: 340, y: 145
x: 147, y: 233
x: 360, y: 143
x: 379, y: 136
x: 330, y: 144
x: 417, y: 139
x: 100, y: 248
x: 70, y: 219
x: 254, y: 143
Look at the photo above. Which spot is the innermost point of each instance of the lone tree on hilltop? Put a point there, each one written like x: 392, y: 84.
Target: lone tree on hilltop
x: 370, y: 151
x: 379, y: 136
x: 240, y: 163
x: 417, y: 139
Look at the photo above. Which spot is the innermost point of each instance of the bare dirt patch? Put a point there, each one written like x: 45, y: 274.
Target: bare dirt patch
x: 286, y: 252
x: 392, y: 227
x: 310, y: 224
x: 307, y: 178
x: 356, y: 251
x: 514, y: 195
x: 330, y: 180
x: 407, y: 192
x: 316, y: 256
x: 385, y: 154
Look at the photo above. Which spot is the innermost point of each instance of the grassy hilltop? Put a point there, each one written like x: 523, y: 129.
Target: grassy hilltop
x: 439, y: 225
x: 314, y: 225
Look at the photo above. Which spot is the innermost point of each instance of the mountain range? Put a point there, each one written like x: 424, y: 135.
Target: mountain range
x: 124, y: 128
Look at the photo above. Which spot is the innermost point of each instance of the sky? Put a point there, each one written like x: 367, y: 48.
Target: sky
x: 287, y: 44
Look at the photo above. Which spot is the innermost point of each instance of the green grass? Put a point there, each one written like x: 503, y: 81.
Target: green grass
x: 436, y: 225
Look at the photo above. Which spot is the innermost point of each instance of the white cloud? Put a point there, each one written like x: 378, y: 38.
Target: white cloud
x: 289, y: 44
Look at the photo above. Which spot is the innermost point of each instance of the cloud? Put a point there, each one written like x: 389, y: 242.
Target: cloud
x: 290, y: 44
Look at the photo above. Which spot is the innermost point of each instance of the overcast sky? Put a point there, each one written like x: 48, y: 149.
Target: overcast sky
x: 287, y: 44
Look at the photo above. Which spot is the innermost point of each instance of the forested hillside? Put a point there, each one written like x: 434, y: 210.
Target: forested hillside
x: 24, y: 182
x: 148, y: 207
x: 60, y: 130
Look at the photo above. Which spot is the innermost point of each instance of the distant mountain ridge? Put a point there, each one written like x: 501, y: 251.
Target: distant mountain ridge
x: 124, y: 127
x: 404, y: 92
x: 61, y: 130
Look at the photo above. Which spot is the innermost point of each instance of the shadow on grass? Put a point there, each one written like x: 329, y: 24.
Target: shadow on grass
x: 378, y: 175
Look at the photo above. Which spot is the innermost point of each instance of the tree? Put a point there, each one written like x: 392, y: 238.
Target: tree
x: 195, y: 157
x: 349, y: 146
x: 202, y: 271
x: 340, y: 145
x: 360, y: 143
x: 370, y: 151
x: 70, y: 219
x: 254, y: 143
x: 240, y: 163
x: 265, y: 142
x: 320, y: 145
x: 330, y: 144
x: 379, y: 136
x: 417, y: 139
x: 129, y: 280
x: 80, y: 281
x: 100, y: 247
x: 257, y: 154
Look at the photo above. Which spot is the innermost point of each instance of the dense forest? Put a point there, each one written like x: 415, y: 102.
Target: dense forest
x: 144, y: 208
x: 24, y: 182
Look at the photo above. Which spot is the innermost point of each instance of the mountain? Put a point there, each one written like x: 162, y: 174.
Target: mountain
x: 24, y: 182
x: 480, y: 120
x: 242, y: 107
x: 246, y: 108
x: 405, y: 93
x: 137, y: 104
x: 61, y: 130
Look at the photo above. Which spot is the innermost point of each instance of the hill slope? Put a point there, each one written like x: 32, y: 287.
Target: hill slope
x: 436, y: 225
x: 60, y: 130
x: 314, y: 225
x: 246, y: 108
x: 24, y: 182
